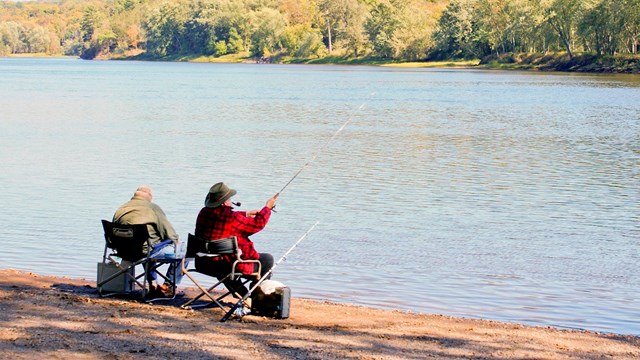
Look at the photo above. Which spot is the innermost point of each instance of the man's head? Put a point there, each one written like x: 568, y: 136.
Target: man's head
x: 144, y: 192
x: 218, y: 195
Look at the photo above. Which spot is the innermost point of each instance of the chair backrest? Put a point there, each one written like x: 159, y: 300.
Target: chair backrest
x: 228, y: 245
x: 127, y: 240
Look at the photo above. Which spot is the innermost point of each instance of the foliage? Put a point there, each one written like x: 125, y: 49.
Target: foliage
x: 268, y: 32
x: 455, y: 32
x: 352, y: 30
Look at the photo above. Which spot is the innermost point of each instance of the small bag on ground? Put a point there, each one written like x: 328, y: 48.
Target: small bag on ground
x: 271, y: 299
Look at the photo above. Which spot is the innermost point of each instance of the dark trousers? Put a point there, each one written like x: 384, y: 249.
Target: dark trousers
x: 235, y: 286
x: 222, y: 269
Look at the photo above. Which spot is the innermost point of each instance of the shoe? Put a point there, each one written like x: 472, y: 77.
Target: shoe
x: 153, y: 291
x: 165, y: 290
x: 160, y: 292
x: 241, y: 312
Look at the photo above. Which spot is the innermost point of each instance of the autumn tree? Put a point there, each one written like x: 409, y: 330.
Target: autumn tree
x: 12, y: 38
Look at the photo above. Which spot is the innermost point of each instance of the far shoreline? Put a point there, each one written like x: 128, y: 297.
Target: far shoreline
x: 544, y: 63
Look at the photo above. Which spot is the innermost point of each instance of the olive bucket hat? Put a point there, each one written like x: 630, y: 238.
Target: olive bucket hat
x: 218, y: 194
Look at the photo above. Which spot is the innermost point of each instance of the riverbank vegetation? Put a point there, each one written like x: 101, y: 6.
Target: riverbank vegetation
x: 541, y: 34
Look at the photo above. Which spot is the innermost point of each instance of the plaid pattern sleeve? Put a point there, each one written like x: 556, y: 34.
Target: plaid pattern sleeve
x: 245, y: 226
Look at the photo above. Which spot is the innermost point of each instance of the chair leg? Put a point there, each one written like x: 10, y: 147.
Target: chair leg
x: 123, y: 270
x: 148, y: 280
x: 206, y: 292
x: 173, y: 286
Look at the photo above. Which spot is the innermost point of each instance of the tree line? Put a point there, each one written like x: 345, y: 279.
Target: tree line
x: 399, y: 30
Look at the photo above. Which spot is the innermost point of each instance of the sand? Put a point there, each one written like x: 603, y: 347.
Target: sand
x: 63, y: 318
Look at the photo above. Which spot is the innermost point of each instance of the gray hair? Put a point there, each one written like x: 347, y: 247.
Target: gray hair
x: 144, y: 191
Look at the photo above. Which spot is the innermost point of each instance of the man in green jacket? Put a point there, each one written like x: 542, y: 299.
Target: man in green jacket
x: 163, y: 238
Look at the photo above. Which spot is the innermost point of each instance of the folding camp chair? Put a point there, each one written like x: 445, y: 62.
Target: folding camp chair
x: 126, y: 242
x: 197, y: 247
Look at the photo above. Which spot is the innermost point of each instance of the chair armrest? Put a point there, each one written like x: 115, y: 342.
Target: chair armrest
x: 247, y: 261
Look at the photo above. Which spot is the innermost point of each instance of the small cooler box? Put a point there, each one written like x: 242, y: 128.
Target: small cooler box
x: 120, y: 284
x: 271, y: 299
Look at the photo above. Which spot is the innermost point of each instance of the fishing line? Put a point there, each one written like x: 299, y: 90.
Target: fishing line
x: 321, y: 149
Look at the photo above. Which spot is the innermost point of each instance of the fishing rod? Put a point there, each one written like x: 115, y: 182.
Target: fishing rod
x: 326, y: 144
x: 266, y: 276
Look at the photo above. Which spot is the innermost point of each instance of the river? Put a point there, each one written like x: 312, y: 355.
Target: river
x: 512, y: 196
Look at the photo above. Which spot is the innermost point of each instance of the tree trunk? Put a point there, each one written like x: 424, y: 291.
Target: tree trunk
x: 566, y: 44
x: 557, y: 26
x: 565, y: 41
x: 329, y: 37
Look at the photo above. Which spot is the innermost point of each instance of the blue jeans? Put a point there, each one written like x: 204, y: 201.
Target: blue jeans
x: 167, y: 250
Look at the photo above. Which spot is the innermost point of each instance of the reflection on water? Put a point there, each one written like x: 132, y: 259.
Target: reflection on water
x: 503, y: 195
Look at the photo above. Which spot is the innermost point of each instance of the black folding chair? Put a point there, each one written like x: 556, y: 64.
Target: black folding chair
x: 197, y: 247
x: 126, y: 242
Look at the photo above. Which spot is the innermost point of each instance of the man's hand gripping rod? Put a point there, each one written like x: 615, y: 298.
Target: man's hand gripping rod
x: 255, y: 286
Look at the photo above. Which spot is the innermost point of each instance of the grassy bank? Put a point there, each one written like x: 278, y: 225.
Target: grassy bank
x: 628, y: 64
x: 235, y: 58
x: 371, y: 61
x: 39, y: 55
x: 540, y: 62
x: 327, y: 60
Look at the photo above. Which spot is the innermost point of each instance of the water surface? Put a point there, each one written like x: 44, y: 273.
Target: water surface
x: 486, y: 194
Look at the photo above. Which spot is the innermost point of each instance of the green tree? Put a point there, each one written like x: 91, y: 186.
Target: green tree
x: 90, y: 21
x: 563, y: 16
x: 221, y: 48
x: 454, y: 33
x: 631, y: 24
x: 496, y: 21
x: 235, y: 42
x: 212, y: 22
x: 106, y: 42
x: 311, y: 45
x: 413, y: 39
x: 301, y: 40
x: 600, y: 28
x: 381, y: 25
x: 342, y: 21
x: 164, y: 27
x: 267, y: 34
x: 530, y: 29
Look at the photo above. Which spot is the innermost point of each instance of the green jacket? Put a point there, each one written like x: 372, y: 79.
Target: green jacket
x: 141, y: 211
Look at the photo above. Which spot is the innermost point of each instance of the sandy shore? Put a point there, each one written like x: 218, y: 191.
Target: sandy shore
x: 62, y: 318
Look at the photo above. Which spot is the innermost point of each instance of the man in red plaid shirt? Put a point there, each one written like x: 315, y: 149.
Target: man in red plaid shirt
x: 218, y: 220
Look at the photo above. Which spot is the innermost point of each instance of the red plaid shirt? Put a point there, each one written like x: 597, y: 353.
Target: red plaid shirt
x: 222, y: 221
